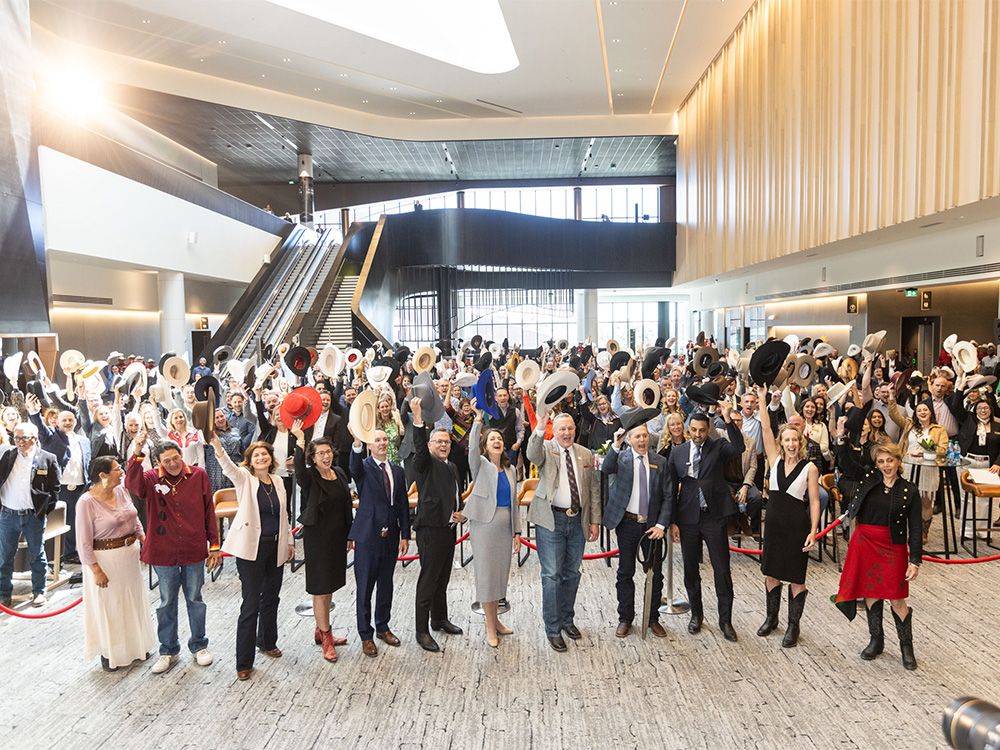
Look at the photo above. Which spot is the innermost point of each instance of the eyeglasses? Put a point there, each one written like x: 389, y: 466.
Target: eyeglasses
x: 23, y: 438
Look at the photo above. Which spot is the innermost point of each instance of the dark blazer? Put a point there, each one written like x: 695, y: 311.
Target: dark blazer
x: 56, y: 442
x: 621, y: 465
x: 682, y: 490
x: 375, y: 510
x: 905, y: 520
x: 44, y: 477
x: 437, y: 485
x: 330, y: 430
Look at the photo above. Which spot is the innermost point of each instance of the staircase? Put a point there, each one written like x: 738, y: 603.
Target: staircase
x: 336, y: 327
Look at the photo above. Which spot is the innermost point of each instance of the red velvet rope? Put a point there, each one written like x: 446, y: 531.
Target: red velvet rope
x: 409, y: 558
x: 836, y: 522
x: 44, y: 616
x: 961, y: 561
x: 592, y: 556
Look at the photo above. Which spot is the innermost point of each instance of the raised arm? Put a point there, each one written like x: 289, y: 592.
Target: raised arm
x: 475, y: 455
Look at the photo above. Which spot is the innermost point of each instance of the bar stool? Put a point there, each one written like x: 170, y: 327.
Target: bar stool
x: 971, y: 492
x: 829, y: 483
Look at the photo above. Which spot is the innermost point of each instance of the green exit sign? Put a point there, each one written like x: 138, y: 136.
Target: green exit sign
x: 911, y: 292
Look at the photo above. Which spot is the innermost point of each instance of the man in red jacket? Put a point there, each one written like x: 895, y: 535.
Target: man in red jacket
x: 181, y: 533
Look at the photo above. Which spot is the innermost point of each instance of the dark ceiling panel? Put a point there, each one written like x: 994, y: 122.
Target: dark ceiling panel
x: 251, y: 147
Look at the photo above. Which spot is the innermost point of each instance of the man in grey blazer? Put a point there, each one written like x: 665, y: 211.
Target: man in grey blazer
x: 636, y: 508
x: 566, y: 512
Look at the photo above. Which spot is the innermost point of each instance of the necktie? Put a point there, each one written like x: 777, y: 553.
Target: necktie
x: 695, y: 471
x: 643, y: 489
x: 386, y: 482
x: 574, y: 491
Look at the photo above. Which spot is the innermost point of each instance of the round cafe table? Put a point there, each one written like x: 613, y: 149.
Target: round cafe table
x: 948, y: 487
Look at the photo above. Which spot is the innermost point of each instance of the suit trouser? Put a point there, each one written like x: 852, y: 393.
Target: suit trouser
x: 713, y: 532
x: 70, y: 497
x: 436, y: 546
x: 629, y: 533
x: 260, y: 580
x: 374, y: 565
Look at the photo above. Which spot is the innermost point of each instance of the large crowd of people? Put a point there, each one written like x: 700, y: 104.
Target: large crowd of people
x: 696, y: 444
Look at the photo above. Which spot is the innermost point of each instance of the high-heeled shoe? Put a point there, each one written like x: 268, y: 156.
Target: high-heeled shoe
x: 504, y: 630
x: 492, y: 643
x: 337, y: 641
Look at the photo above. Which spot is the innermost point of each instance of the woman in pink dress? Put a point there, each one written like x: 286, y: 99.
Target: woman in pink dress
x: 116, y: 619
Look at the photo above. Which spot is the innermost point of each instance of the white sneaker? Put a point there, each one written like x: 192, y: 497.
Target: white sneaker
x: 203, y: 657
x: 164, y: 664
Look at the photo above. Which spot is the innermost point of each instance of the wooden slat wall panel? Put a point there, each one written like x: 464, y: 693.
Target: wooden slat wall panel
x: 824, y: 119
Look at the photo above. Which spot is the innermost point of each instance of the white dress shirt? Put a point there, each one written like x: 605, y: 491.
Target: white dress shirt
x: 563, y: 497
x: 72, y: 475
x: 280, y: 447
x: 320, y: 425
x: 15, y: 493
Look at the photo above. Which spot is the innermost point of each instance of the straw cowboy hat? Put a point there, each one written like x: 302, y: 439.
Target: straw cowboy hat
x: 424, y: 359
x: 646, y: 394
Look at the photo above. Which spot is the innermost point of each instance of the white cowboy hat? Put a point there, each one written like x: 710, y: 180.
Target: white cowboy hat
x: 71, y: 361
x: 603, y: 359
x: 362, y: 417
x: 822, y: 349
x: 836, y: 391
x: 965, y: 356
x: 853, y: 350
x: 234, y: 369
x: 527, y: 374
x: 555, y: 388
x: 949, y: 343
x: 353, y: 357
x: 646, y: 394
x: 134, y: 375
x: 874, y: 341
x: 793, y: 341
x: 379, y: 374
x: 331, y: 361
x: 466, y: 379
x: 12, y: 366
x: 176, y: 371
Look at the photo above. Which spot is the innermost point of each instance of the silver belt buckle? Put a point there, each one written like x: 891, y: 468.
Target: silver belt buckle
x: 571, y: 513
x: 71, y: 487
x: 641, y: 519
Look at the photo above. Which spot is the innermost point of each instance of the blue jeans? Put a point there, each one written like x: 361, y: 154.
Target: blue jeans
x: 11, y: 528
x: 172, y: 578
x: 560, y: 554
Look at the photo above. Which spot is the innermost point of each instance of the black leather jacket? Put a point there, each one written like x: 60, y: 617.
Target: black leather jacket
x: 905, y: 522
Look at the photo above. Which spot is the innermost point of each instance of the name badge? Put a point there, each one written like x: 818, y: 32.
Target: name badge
x: 42, y: 472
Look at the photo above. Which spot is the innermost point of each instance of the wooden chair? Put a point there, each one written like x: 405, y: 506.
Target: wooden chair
x: 225, y: 504
x: 525, y: 495
x: 971, y: 492
x: 829, y: 483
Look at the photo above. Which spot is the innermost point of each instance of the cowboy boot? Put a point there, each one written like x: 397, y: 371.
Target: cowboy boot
x: 795, y: 606
x: 329, y: 650
x: 904, y: 629
x: 337, y: 640
x: 773, y: 604
x: 877, y: 642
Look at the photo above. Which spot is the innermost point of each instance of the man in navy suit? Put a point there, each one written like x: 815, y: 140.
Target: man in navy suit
x: 699, y: 503
x: 380, y: 532
x: 635, y: 508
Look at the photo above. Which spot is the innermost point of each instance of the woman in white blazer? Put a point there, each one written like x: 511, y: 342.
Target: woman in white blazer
x: 494, y: 521
x: 260, y: 539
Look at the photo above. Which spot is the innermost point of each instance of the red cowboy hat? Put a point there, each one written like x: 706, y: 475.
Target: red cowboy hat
x: 303, y: 403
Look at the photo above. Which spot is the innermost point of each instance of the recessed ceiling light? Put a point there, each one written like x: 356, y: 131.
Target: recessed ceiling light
x: 392, y: 88
x: 146, y: 21
x: 343, y: 75
x: 317, y: 89
x: 615, y: 41
x: 413, y: 113
x: 201, y: 59
x: 364, y: 101
x: 620, y: 94
x: 263, y: 75
x: 439, y: 100
x: 618, y: 70
x: 286, y: 59
x: 222, y: 41
x: 613, y: 3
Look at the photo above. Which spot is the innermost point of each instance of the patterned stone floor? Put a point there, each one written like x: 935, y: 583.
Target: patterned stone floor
x: 679, y: 692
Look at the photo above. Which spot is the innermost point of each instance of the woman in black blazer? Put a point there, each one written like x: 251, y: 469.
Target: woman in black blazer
x: 326, y: 519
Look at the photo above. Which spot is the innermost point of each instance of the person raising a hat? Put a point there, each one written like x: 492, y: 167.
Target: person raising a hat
x: 793, y: 511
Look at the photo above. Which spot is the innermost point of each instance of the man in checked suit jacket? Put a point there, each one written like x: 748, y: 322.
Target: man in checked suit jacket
x: 380, y: 531
x: 563, y: 524
x: 699, y: 502
x: 634, y: 512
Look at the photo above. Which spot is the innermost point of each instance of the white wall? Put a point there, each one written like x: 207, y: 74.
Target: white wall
x: 92, y: 212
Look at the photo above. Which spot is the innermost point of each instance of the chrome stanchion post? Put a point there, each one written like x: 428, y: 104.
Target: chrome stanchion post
x: 671, y: 605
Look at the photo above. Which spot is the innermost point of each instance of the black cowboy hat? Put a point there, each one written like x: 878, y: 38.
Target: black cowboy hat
x: 635, y: 417
x: 401, y: 354
x: 660, y: 341
x: 716, y: 369
x: 767, y: 361
x: 298, y: 359
x: 587, y: 354
x: 201, y: 386
x: 618, y: 360
x: 706, y: 395
x: 651, y: 360
x: 476, y: 341
x: 484, y: 362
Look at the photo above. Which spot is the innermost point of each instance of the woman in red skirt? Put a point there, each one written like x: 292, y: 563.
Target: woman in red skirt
x: 885, y: 551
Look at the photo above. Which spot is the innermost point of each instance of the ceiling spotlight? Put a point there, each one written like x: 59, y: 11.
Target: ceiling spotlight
x: 343, y: 75
x: 620, y: 94
x: 618, y: 70
x: 291, y: 182
x: 439, y: 100
x: 317, y: 89
x: 146, y: 21
x: 615, y: 41
x: 364, y: 101
x: 556, y: 146
x: 222, y: 41
x: 392, y: 88
x: 263, y: 75
x: 201, y: 59
x: 413, y: 113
